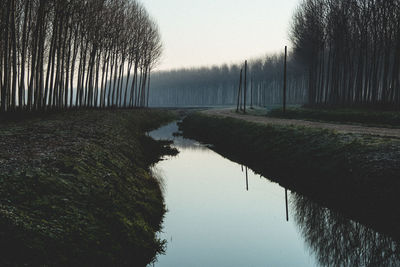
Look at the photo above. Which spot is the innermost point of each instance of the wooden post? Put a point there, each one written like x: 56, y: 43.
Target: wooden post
x: 284, y: 81
x: 245, y: 85
x: 251, y: 92
x: 287, y: 207
x: 239, y: 91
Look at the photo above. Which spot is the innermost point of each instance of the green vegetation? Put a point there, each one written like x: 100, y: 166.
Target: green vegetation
x: 356, y: 174
x: 76, y: 189
x: 342, y: 115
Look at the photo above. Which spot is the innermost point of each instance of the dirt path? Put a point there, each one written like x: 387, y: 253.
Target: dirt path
x: 341, y: 128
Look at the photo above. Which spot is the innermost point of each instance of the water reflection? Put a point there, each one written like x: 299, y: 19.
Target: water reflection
x: 208, y: 210
x: 247, y: 178
x: 287, y: 206
x: 337, y: 241
x: 214, y: 221
x: 171, y: 132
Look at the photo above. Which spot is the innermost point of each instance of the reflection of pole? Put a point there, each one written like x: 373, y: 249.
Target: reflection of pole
x: 287, y: 208
x: 247, y: 181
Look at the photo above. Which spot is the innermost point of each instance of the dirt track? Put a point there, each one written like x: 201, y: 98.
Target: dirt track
x: 340, y: 128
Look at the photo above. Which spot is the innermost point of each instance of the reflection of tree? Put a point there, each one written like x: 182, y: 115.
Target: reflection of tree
x: 188, y: 144
x: 337, y: 241
x: 170, y: 131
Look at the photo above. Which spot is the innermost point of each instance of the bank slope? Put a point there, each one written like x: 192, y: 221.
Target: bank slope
x: 76, y: 189
x: 354, y: 174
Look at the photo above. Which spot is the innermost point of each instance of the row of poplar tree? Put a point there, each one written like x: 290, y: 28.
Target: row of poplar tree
x: 218, y: 85
x: 351, y: 49
x: 75, y: 53
x: 344, y: 53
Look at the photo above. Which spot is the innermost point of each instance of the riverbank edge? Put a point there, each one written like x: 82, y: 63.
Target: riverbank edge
x: 86, y: 197
x: 354, y: 174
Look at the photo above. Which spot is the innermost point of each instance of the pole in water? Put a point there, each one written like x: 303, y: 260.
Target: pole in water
x: 287, y: 208
x: 284, y: 81
x: 247, y: 180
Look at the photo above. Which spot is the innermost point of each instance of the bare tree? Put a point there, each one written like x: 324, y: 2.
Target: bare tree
x: 74, y: 53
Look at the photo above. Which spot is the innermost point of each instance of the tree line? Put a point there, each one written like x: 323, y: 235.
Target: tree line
x: 75, y: 53
x: 218, y: 85
x: 345, y: 53
x: 351, y: 49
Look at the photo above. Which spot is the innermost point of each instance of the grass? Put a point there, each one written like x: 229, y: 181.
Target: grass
x: 342, y: 115
x: 352, y: 173
x: 76, y: 189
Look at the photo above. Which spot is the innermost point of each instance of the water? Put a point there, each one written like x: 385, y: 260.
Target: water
x: 217, y: 217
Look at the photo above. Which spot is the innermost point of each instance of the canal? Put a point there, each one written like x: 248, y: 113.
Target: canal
x: 221, y: 213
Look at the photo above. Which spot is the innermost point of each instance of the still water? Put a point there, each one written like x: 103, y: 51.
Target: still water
x: 219, y: 216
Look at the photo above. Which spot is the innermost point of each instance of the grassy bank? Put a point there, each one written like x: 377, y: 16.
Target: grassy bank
x: 341, y: 115
x: 76, y: 189
x: 357, y: 175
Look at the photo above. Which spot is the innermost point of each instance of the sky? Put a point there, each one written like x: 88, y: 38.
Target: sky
x: 213, y: 32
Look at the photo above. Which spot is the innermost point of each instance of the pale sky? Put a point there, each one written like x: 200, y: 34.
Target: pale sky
x: 213, y: 32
